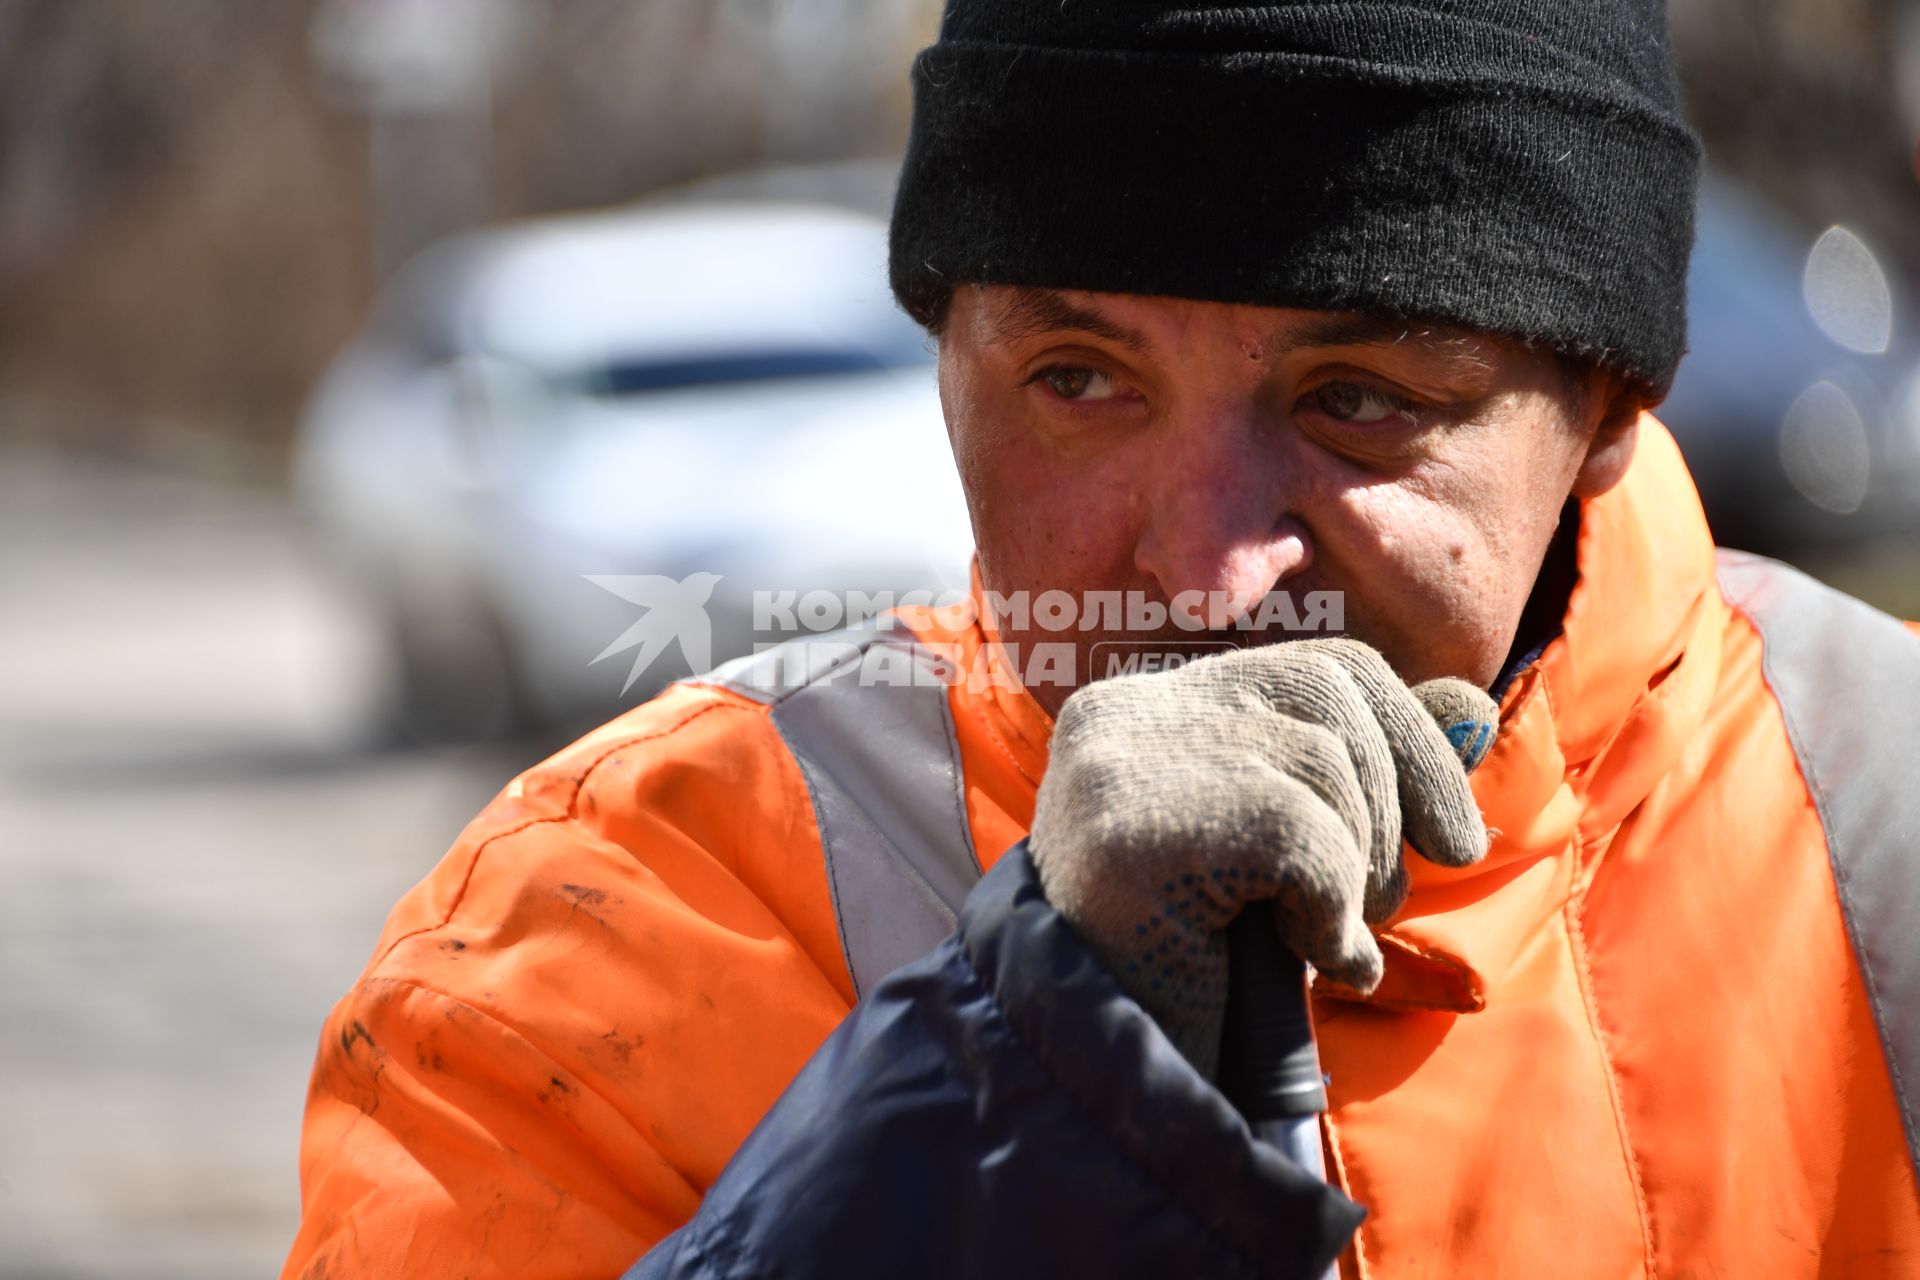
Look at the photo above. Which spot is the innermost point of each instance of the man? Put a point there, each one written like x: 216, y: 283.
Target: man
x: 1289, y: 298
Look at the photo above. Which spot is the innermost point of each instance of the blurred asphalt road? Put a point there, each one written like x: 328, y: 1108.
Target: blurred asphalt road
x: 196, y: 855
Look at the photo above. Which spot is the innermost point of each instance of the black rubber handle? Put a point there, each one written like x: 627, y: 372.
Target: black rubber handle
x: 1269, y: 1068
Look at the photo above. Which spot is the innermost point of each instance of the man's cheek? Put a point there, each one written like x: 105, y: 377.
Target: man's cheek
x: 1418, y: 603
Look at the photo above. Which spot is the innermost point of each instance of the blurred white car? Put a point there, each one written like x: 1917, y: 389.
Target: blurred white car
x: 701, y: 388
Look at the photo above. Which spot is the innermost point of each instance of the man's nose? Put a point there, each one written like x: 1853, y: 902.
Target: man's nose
x: 1221, y: 517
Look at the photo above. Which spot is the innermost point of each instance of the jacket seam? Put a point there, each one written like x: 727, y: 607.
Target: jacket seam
x: 864, y: 639
x: 1207, y: 1230
x: 1468, y: 978
x: 831, y: 865
x: 1392, y: 1004
x: 1360, y: 1268
x: 1553, y: 713
x: 1577, y: 943
x: 1649, y: 702
x: 568, y: 815
x: 1842, y: 885
x: 857, y: 657
x: 1005, y: 748
x: 959, y: 782
x: 1327, y: 988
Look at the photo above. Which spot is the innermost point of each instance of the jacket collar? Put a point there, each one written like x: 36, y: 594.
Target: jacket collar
x: 1020, y: 725
x: 1586, y: 732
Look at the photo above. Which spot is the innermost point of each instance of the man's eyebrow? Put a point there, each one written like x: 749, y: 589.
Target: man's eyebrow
x: 1030, y: 311
x: 1377, y: 329
x: 1348, y: 329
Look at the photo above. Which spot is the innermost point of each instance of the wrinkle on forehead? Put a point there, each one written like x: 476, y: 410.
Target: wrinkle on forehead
x: 1026, y: 311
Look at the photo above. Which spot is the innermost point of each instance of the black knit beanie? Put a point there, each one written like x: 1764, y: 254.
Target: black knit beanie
x: 1515, y: 166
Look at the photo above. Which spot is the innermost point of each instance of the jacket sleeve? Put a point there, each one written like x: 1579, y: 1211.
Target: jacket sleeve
x: 1000, y: 1108
x: 576, y: 1018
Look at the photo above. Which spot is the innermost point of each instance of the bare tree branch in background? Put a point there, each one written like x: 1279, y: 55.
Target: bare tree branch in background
x: 186, y: 220
x: 1800, y: 99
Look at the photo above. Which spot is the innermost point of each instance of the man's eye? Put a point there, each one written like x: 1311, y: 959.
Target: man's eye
x: 1357, y: 402
x: 1077, y: 382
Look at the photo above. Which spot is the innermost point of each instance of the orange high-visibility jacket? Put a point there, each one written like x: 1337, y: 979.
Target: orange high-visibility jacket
x: 1661, y: 1030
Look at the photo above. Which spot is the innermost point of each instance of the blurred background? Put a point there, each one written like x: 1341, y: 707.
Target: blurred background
x: 341, y: 340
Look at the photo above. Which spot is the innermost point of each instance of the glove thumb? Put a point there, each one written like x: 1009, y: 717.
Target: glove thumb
x: 1465, y: 714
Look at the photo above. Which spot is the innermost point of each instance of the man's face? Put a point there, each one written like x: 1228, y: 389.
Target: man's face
x: 1117, y: 442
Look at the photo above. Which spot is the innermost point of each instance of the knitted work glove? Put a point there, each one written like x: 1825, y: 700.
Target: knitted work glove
x: 1286, y: 772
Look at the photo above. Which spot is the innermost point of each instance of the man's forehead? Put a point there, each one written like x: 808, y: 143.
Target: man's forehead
x: 1021, y: 311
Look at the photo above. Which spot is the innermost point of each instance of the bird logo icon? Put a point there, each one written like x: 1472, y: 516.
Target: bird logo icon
x: 676, y: 611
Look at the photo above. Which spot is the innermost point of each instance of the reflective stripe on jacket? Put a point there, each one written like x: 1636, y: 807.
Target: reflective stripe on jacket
x: 1671, y: 1025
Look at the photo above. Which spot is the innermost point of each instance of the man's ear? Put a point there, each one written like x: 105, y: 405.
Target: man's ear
x: 1611, y: 449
